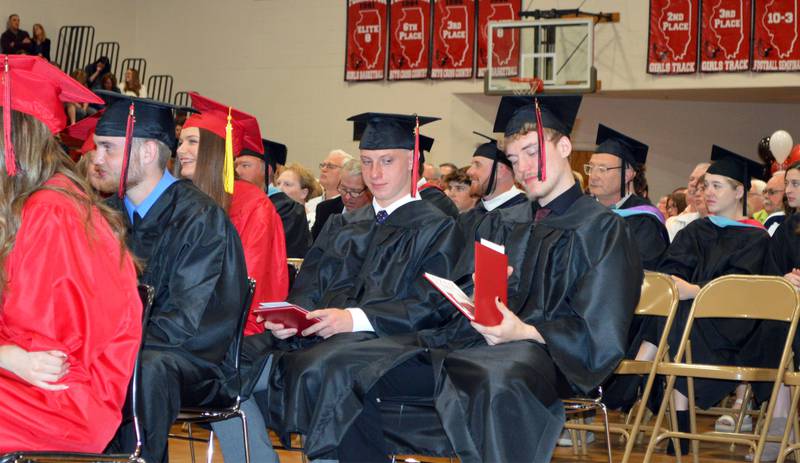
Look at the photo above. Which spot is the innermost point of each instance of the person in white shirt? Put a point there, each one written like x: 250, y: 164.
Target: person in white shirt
x: 132, y: 86
x: 329, y: 176
x: 773, y: 201
x: 695, y: 203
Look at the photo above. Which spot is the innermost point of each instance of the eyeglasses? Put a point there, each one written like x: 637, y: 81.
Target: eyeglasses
x: 350, y: 193
x: 600, y: 170
x: 328, y: 165
x: 770, y: 192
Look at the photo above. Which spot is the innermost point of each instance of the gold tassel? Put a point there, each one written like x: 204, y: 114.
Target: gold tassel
x: 228, y: 169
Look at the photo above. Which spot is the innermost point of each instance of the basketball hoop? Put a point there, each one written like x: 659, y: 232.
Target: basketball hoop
x: 535, y: 86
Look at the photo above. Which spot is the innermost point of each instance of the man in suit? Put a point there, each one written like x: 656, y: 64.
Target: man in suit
x: 354, y: 194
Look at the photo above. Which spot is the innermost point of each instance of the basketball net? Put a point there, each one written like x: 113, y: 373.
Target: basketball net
x: 535, y: 86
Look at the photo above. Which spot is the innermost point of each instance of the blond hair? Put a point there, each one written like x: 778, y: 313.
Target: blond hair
x: 307, y: 180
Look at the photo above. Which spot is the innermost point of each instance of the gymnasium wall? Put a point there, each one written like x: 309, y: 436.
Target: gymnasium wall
x: 282, y: 60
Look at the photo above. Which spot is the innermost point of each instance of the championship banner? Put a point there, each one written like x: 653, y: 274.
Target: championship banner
x: 672, y: 42
x: 409, y: 39
x: 453, y: 39
x: 505, y: 43
x: 776, y: 35
x: 366, y: 40
x: 725, y: 35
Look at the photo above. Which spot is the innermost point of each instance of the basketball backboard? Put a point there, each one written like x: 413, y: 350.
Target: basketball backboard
x: 557, y: 51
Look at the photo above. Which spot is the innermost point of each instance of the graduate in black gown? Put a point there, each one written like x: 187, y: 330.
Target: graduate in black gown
x: 193, y: 259
x: 363, y: 278
x: 726, y: 242
x: 496, y: 389
x: 616, y: 172
x: 492, y: 178
x: 430, y: 191
x: 259, y: 169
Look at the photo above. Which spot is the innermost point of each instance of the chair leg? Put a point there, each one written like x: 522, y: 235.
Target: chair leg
x: 243, y: 416
x: 210, y: 448
x: 791, y: 422
x: 651, y: 445
x: 743, y: 412
x: 191, y: 441
x: 608, y: 434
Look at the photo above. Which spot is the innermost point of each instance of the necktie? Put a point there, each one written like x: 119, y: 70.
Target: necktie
x: 381, y: 217
x: 541, y: 213
x: 137, y: 221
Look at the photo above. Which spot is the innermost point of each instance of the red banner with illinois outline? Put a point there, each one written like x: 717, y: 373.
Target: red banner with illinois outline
x: 409, y: 39
x: 366, y: 40
x: 776, y: 35
x: 453, y: 39
x: 672, y: 42
x: 725, y: 35
x: 505, y: 43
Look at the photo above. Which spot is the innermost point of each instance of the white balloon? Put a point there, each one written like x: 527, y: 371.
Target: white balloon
x: 780, y: 144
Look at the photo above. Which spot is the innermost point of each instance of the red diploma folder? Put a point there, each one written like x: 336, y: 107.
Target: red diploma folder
x: 285, y: 313
x: 491, y: 282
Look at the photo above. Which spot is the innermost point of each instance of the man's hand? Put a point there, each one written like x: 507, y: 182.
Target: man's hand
x: 794, y: 277
x: 510, y: 329
x: 277, y: 329
x: 686, y: 290
x: 332, y: 321
x: 40, y: 369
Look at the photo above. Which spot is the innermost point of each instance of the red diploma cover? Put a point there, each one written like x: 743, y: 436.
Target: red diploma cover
x: 285, y: 313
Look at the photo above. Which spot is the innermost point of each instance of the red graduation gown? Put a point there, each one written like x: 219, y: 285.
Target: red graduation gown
x: 261, y: 232
x: 68, y: 290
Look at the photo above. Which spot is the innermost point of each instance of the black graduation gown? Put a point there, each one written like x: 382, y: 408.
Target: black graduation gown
x: 295, y: 224
x: 440, y: 200
x: 356, y: 262
x: 468, y: 221
x: 700, y: 253
x: 649, y: 233
x: 193, y: 259
x: 561, y: 271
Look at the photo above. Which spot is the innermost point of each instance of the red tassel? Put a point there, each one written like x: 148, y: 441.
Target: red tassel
x: 10, y: 155
x: 542, y: 174
x: 415, y: 164
x: 126, y: 154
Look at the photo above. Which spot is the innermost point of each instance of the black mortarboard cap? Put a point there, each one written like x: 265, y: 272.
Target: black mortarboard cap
x: 425, y: 145
x: 377, y: 131
x: 629, y: 150
x: 558, y: 113
x: 729, y: 164
x: 274, y: 153
x: 153, y: 118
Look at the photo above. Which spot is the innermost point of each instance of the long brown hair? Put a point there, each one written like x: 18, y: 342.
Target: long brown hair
x: 134, y: 85
x: 208, y: 167
x: 44, y: 34
x: 40, y: 157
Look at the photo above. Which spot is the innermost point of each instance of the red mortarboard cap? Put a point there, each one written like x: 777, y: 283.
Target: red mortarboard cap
x: 31, y: 85
x: 214, y: 117
x: 81, y: 134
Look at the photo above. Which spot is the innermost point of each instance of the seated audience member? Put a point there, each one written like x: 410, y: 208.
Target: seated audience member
x: 555, y: 332
x: 40, y: 45
x: 447, y: 168
x: 362, y: 278
x: 201, y: 154
x: 616, y: 175
x: 259, y: 169
x: 14, y: 40
x: 491, y: 179
x: 78, y: 111
x: 428, y: 190
x: 725, y: 242
x: 329, y: 176
x: 193, y: 258
x: 676, y: 203
x: 695, y: 203
x: 353, y: 192
x: 132, y: 86
x: 298, y: 183
x: 96, y: 71
x: 662, y: 206
x: 755, y: 200
x: 433, y: 175
x: 65, y: 359
x: 773, y: 201
x: 458, y: 187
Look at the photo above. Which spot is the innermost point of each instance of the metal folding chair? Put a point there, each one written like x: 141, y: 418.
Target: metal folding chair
x: 732, y: 296
x: 193, y: 415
